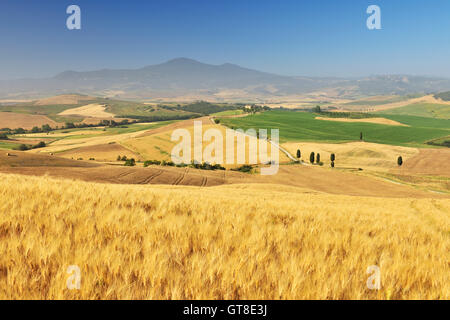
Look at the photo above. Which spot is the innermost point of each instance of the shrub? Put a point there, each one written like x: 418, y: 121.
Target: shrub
x: 217, y: 121
x: 332, y: 164
x: 318, y: 158
x: 245, y: 168
x: 124, y: 158
x: 119, y: 158
x: 19, y: 131
x: 23, y: 147
x: 311, y: 157
x: 299, y: 154
x: 332, y: 157
x: 130, y: 162
x: 399, y: 161
x: 39, y: 145
x: 3, y: 136
x: 150, y: 162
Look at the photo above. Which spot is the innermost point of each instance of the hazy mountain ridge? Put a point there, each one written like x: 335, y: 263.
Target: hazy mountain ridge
x: 182, y: 76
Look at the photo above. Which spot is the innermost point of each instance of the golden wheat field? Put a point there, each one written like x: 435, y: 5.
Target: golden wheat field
x: 247, y: 241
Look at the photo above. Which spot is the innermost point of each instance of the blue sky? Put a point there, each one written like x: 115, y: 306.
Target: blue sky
x: 291, y: 37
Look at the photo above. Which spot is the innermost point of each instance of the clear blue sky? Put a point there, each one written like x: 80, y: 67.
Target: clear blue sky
x: 292, y: 37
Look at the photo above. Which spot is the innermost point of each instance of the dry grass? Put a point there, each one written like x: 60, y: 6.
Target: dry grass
x: 158, y: 146
x: 364, y: 155
x: 90, y: 110
x: 26, y: 121
x: 232, y: 242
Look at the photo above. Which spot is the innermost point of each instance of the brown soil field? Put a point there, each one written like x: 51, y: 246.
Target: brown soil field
x: 369, y: 120
x: 101, y: 152
x: 428, y: 161
x: 62, y: 99
x: 27, y: 121
x: 315, y: 179
x: 19, y: 159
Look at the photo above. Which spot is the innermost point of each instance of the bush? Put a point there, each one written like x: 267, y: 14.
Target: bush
x: 311, y: 157
x: 39, y: 145
x: 3, y: 136
x: 332, y: 164
x: 299, y: 154
x: 399, y: 161
x: 245, y: 168
x: 124, y: 158
x: 23, y: 147
x: 130, y: 162
x: 150, y: 162
x: 119, y: 158
x: 318, y: 158
x: 217, y: 121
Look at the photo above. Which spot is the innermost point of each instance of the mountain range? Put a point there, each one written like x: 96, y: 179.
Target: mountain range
x: 186, y: 78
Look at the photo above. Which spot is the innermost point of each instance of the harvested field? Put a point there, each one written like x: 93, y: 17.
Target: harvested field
x: 26, y: 121
x: 90, y: 110
x: 101, y: 152
x: 364, y: 155
x: 429, y: 161
x: 305, y: 177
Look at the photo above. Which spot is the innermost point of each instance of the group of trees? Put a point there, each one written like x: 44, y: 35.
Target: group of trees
x: 315, y: 158
x: 201, y: 166
x: 25, y: 147
x: 255, y: 108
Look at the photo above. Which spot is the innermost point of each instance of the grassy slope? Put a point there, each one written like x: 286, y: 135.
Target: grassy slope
x: 380, y: 100
x: 302, y: 126
x: 155, y: 242
x: 432, y: 110
x: 117, y: 107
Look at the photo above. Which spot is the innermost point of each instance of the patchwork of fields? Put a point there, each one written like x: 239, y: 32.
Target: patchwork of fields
x: 161, y: 232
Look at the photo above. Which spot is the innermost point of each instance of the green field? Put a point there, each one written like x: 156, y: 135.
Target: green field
x: 302, y: 126
x: 228, y: 113
x: 431, y: 110
x: 8, y: 145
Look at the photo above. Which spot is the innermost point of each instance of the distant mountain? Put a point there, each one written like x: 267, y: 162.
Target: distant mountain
x: 186, y: 77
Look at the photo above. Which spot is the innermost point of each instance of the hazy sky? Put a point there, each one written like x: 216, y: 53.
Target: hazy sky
x: 292, y: 37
